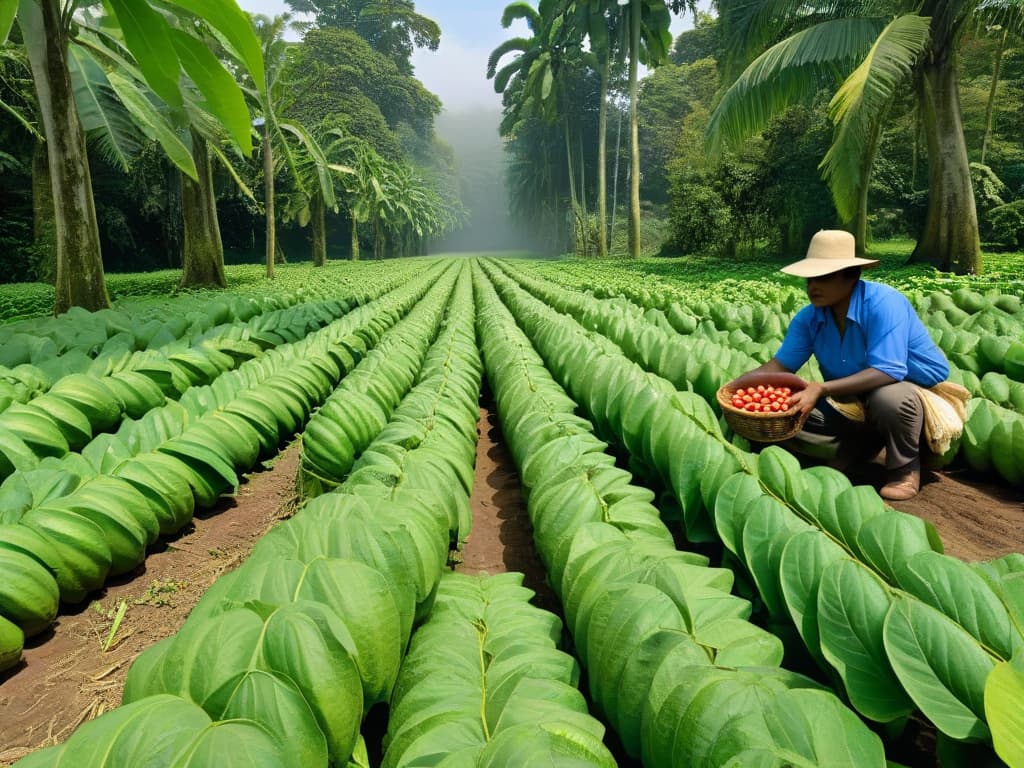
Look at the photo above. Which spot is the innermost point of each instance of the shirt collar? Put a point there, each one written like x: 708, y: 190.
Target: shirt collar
x: 853, y: 312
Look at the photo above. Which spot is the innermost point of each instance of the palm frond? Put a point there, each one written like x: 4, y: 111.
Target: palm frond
x: 521, y: 10
x: 151, y: 122
x: 520, y: 44
x: 104, y: 118
x: 319, y: 160
x: 860, y: 102
x: 750, y: 26
x: 787, y: 73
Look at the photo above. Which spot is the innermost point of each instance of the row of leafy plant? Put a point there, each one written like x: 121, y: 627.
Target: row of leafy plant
x: 993, y: 438
x: 70, y: 523
x: 902, y: 626
x: 673, y: 663
x: 281, y: 659
x: 38, y: 354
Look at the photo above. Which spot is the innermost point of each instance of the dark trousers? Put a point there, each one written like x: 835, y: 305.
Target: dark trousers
x: 895, y: 420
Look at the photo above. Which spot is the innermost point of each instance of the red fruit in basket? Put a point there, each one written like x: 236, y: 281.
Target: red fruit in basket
x: 741, y: 391
x: 750, y: 407
x: 756, y: 397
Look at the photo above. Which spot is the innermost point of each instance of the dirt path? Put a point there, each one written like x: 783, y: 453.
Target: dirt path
x: 502, y: 537
x: 976, y: 519
x: 65, y: 678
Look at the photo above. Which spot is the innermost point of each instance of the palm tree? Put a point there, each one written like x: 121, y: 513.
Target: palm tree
x: 162, y: 53
x: 875, y: 55
x: 650, y: 42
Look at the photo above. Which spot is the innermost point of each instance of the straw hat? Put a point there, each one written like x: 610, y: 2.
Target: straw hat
x: 830, y: 251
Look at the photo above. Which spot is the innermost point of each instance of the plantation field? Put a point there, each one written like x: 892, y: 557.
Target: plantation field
x: 486, y: 512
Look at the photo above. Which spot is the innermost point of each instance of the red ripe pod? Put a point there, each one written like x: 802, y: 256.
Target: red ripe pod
x: 750, y: 407
x: 741, y: 391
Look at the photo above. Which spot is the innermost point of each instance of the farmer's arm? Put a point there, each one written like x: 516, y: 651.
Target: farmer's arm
x: 862, y: 381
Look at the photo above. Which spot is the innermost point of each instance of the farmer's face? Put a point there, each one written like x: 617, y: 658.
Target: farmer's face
x: 831, y: 289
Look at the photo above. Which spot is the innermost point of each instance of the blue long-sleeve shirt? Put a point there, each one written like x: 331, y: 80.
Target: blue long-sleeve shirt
x: 882, y: 331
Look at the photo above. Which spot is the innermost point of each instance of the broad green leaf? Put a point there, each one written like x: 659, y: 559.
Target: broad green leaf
x: 1004, y: 692
x: 886, y: 542
x: 804, y: 560
x: 769, y: 528
x: 952, y: 587
x: 235, y: 744
x: 153, y: 124
x: 732, y: 509
x: 102, y: 114
x: 852, y: 608
x: 276, y: 704
x: 223, y: 97
x: 235, y: 27
x: 941, y: 666
x: 802, y: 727
x: 8, y: 10
x: 148, y: 733
x: 148, y: 36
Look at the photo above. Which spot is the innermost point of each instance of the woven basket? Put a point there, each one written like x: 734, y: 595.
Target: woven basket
x: 762, y: 427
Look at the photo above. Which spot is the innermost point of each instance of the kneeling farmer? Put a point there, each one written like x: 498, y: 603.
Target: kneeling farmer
x: 870, y: 344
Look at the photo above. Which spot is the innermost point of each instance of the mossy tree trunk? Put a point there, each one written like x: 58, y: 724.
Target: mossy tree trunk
x: 79, y: 281
x: 44, y: 233
x: 268, y: 198
x: 203, y: 259
x: 950, y: 240
x: 355, y: 235
x: 318, y: 223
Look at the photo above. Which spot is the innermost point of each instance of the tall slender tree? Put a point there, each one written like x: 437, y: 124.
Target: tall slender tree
x: 162, y: 53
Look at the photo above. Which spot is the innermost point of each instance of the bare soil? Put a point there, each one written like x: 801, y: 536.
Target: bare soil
x: 502, y: 538
x: 65, y: 676
x: 976, y: 518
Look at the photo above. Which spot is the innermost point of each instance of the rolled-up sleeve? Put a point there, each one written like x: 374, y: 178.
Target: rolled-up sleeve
x: 888, y: 337
x: 798, y: 346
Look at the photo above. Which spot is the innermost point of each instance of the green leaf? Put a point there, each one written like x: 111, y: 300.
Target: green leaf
x: 223, y: 97
x: 852, y: 608
x: 153, y: 124
x: 888, y: 541
x: 804, y: 560
x: 8, y: 10
x: 102, y: 114
x: 236, y: 30
x: 148, y: 36
x: 1004, y: 692
x: 952, y: 587
x: 941, y: 666
x: 859, y: 104
x: 276, y: 704
x: 802, y: 727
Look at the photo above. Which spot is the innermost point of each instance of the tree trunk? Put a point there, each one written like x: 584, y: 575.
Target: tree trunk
x: 319, y: 225
x: 859, y: 226
x: 950, y: 239
x: 79, y: 281
x: 268, y: 199
x: 602, y: 170
x: 574, y: 205
x: 615, y: 175
x: 634, y: 130
x: 44, y: 236
x: 203, y: 260
x: 355, y: 236
x: 996, y: 66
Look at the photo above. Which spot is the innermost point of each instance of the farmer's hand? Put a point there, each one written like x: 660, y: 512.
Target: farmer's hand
x: 807, y: 398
